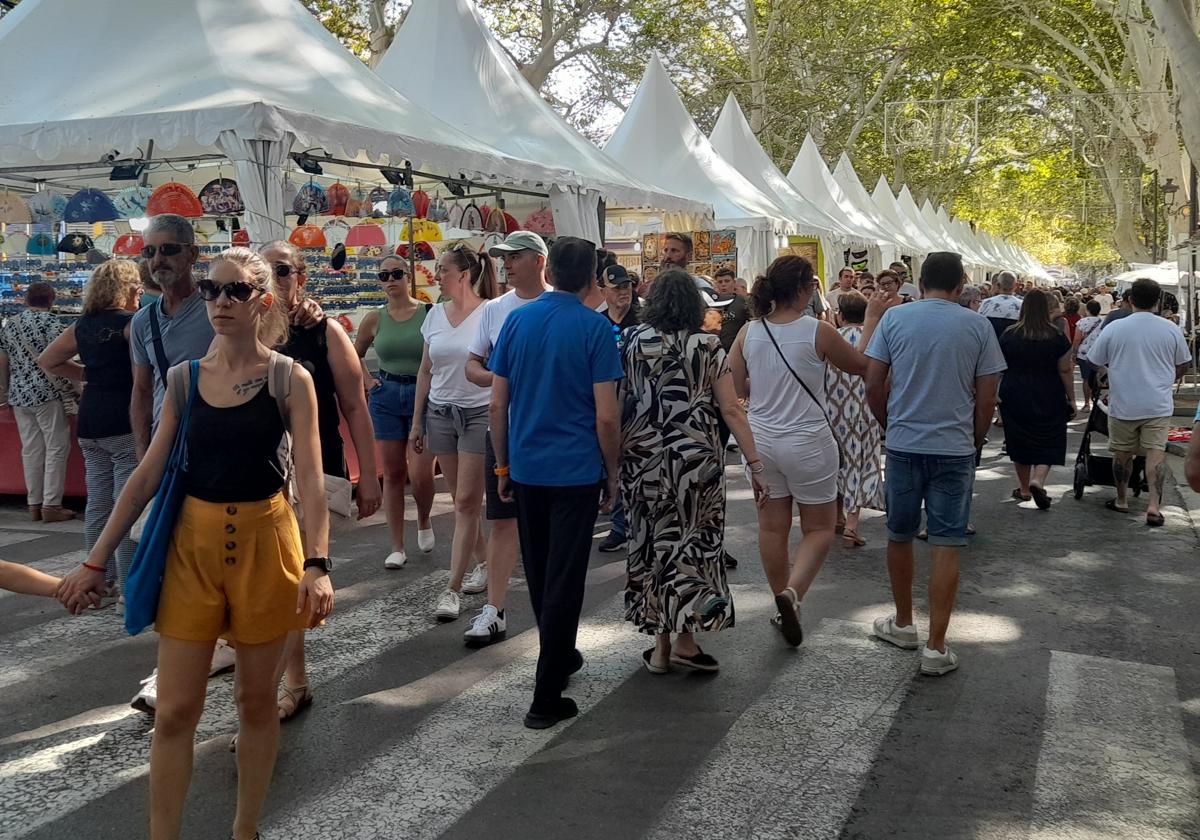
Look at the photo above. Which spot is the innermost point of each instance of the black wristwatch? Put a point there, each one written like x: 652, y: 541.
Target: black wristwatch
x: 322, y: 563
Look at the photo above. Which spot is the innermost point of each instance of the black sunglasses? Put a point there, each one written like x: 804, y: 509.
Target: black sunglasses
x: 238, y: 290
x: 397, y: 274
x: 167, y: 249
x: 283, y: 270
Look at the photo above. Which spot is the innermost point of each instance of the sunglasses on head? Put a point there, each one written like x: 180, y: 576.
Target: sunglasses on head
x: 397, y: 274
x: 238, y: 290
x: 167, y: 249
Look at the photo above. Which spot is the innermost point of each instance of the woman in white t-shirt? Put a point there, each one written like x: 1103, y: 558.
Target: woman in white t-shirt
x: 450, y: 416
x: 1086, y: 331
x: 779, y: 363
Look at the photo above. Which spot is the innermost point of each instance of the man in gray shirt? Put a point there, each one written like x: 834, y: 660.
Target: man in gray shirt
x: 945, y: 364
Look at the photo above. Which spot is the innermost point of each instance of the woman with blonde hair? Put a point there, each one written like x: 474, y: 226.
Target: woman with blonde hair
x: 235, y: 566
x: 100, y: 338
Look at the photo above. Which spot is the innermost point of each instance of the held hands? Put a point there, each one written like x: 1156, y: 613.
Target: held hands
x: 370, y: 496
x: 880, y: 302
x: 80, y: 589
x: 315, y: 597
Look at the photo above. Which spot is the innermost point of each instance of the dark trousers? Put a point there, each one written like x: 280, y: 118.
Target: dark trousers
x: 555, y: 526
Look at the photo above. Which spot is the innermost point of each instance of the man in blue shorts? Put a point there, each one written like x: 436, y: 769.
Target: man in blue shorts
x: 945, y: 365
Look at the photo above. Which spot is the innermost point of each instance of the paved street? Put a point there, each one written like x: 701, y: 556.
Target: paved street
x: 1075, y: 714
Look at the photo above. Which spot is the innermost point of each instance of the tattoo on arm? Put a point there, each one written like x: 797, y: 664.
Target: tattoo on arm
x: 243, y: 388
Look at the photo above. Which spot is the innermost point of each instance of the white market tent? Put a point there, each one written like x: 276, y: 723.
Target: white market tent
x: 856, y: 193
x: 734, y: 140
x: 659, y: 141
x: 966, y: 243
x: 812, y: 178
x: 885, y: 200
x: 446, y: 60
x: 252, y: 81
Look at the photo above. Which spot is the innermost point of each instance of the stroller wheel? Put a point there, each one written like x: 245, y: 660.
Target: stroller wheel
x: 1080, y: 479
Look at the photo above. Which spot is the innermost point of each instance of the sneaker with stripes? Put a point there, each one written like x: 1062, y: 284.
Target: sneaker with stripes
x: 486, y: 628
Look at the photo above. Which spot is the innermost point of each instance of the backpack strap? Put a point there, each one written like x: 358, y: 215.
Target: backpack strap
x: 279, y: 382
x: 179, y: 383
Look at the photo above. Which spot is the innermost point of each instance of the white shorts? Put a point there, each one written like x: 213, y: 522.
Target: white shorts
x: 803, y: 466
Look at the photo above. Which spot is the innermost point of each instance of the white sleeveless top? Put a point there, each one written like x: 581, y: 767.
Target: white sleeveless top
x: 778, y: 404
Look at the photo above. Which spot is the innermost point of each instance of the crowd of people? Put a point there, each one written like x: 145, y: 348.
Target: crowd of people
x: 545, y: 393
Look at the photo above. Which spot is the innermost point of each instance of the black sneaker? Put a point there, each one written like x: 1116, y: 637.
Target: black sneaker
x: 730, y: 561
x: 562, y: 709
x: 612, y: 543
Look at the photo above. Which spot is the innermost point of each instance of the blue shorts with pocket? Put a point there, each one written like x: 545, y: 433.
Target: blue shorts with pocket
x: 391, y: 404
x: 943, y: 483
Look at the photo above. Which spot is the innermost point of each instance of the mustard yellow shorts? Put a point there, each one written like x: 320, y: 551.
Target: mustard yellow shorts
x: 233, y: 571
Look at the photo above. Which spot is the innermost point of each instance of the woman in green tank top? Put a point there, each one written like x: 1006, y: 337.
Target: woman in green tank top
x: 395, y: 332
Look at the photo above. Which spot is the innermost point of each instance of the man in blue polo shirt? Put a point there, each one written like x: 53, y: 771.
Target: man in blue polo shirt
x: 556, y: 431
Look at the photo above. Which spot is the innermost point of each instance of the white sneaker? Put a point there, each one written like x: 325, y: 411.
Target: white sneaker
x: 223, y: 659
x: 395, y: 560
x: 147, y: 698
x: 447, y: 607
x: 426, y: 540
x: 475, y: 580
x: 121, y: 605
x: 935, y: 663
x: 902, y: 637
x: 486, y: 628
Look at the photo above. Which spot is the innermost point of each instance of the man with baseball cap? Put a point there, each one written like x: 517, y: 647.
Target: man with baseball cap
x: 524, y: 256
x: 618, y: 290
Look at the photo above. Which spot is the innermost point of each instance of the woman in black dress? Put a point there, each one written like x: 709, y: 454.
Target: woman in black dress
x: 1037, y: 396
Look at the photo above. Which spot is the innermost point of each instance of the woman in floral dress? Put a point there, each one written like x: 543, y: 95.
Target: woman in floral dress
x: 672, y: 474
x: 860, y: 476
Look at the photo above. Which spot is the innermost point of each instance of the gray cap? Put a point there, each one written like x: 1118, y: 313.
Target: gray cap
x: 521, y: 240
x: 910, y: 290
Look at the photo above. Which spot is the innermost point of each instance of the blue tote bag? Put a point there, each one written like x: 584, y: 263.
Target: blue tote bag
x: 144, y: 582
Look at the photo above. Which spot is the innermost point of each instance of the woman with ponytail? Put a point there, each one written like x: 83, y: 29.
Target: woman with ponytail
x: 779, y: 364
x: 450, y: 417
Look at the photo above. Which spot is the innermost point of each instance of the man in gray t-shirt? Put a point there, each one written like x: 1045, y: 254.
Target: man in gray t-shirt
x: 944, y: 364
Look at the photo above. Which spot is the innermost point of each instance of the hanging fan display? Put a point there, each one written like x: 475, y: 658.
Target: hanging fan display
x: 336, y: 231
x: 242, y: 238
x: 472, y: 219
x: 308, y: 236
x: 41, y: 245
x: 310, y: 200
x: 15, y: 243
x: 90, y: 205
x: 128, y: 245
x: 338, y: 260
x: 356, y: 205
x: 106, y: 242
x: 420, y: 200
x: 511, y: 225
x: 438, y: 210
x: 540, y: 222
x: 424, y: 251
x: 131, y: 202
x: 485, y: 213
x: 289, y: 190
x: 221, y: 197
x: 338, y: 197
x: 400, y: 203
x: 365, y: 234
x: 47, y: 207
x: 495, y: 222
x: 14, y: 210
x: 455, y: 216
x: 423, y: 231
x: 176, y: 198
x: 377, y: 196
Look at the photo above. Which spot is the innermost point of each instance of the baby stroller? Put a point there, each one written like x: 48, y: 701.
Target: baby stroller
x: 1098, y: 469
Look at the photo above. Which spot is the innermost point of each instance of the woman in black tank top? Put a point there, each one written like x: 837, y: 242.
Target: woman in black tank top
x: 235, y: 567
x: 325, y: 352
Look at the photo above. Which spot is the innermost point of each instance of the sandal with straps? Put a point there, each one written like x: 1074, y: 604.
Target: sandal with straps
x: 851, y: 539
x: 789, y: 614
x: 292, y: 699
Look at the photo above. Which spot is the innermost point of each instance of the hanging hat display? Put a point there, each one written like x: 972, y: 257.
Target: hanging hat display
x: 307, y: 236
x: 336, y: 231
x: 13, y: 210
x: 338, y: 197
x: 90, y: 205
x: 420, y: 200
x: 47, y: 207
x: 173, y: 197
x: 540, y: 222
x: 365, y: 234
x: 75, y: 243
x: 129, y: 245
x: 438, y: 210
x: 221, y: 197
x: 310, y: 200
x: 400, y: 203
x: 131, y: 202
x: 241, y: 237
x: 472, y: 219
x: 105, y: 242
x: 41, y: 245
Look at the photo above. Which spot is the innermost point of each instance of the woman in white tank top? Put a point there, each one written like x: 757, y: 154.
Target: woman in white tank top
x: 771, y: 358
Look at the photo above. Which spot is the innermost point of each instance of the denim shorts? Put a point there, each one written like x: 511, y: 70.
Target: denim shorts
x: 944, y: 484
x: 391, y: 404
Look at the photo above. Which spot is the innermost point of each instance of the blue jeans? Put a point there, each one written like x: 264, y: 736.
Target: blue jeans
x: 944, y: 484
x: 620, y: 526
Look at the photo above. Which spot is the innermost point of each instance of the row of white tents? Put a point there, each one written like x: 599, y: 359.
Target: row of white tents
x: 248, y: 84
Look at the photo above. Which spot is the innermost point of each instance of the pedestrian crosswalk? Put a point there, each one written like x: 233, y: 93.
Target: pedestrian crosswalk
x: 786, y: 743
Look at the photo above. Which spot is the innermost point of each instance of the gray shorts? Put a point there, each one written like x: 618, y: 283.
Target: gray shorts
x: 450, y: 429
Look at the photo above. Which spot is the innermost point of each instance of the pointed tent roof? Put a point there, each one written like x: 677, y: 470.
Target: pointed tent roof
x: 259, y: 68
x: 734, y: 140
x: 966, y: 244
x: 659, y: 141
x: 885, y: 200
x: 974, y: 241
x: 446, y: 59
x: 848, y: 180
x: 812, y: 178
x: 908, y: 206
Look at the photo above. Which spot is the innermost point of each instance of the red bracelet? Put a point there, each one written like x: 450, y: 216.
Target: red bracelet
x: 93, y: 568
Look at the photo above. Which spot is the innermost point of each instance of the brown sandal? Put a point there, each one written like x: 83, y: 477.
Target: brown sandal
x: 851, y: 539
x: 292, y: 699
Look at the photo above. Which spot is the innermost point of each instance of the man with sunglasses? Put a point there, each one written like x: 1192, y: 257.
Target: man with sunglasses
x: 524, y: 256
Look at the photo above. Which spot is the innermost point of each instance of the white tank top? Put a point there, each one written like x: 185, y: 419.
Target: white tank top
x: 778, y: 403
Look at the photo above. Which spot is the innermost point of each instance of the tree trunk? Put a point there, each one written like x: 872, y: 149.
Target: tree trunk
x: 1183, y: 47
x: 381, y: 34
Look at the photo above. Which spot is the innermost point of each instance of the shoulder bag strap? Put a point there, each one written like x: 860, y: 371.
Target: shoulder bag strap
x: 279, y: 382
x: 159, y: 354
